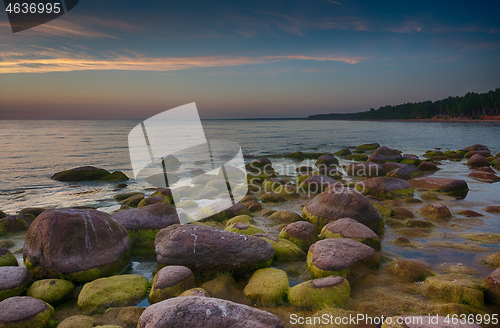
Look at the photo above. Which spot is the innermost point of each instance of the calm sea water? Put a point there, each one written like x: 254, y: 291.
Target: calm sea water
x: 31, y: 151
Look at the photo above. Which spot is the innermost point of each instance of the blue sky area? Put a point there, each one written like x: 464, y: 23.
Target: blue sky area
x: 242, y: 59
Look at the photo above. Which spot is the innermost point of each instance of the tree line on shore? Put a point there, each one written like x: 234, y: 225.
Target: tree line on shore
x: 472, y: 105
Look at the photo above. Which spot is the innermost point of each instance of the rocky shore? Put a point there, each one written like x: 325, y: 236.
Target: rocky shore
x: 351, y: 233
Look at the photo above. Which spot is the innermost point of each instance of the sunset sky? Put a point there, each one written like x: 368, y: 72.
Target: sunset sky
x: 246, y: 59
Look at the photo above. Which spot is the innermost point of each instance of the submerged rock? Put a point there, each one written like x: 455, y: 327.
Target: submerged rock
x: 209, y: 250
x: 25, y: 311
x: 80, y: 245
x: 454, y: 289
x: 205, y: 312
x: 412, y: 271
x: 385, y: 187
x: 320, y: 293
x: 435, y: 211
x: 455, y: 187
x: 484, y: 176
x: 83, y: 173
x: 332, y: 205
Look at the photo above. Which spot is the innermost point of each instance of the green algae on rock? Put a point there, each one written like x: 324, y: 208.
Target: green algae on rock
x: 435, y: 211
x: 244, y: 228
x: 7, y: 258
x: 34, y: 313
x: 198, y: 291
x: 78, y: 321
x: 170, y: 281
x: 301, y: 233
x: 83, y: 173
x: 385, y: 187
x: 101, y: 294
x: 284, y: 250
x: 13, y: 281
x: 51, y: 290
x: 267, y: 286
x: 320, y: 293
x: 240, y: 218
x: 454, y: 289
x: 409, y: 270
x: 223, y: 286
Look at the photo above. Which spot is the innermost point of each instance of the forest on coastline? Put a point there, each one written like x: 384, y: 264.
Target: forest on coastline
x: 472, y: 105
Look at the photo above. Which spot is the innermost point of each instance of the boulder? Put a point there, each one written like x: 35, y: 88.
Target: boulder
x: 244, y: 228
x: 385, y: 187
x: 453, y: 288
x: 284, y: 249
x: 125, y: 317
x: 405, y: 172
x: 83, y: 173
x: 367, y: 169
x: 195, y: 292
x: 170, y: 281
x: 221, y: 211
x: 343, y: 152
x: 272, y: 197
x: 79, y: 245
x: 492, y: 286
x: 285, y: 217
x: 340, y: 257
x: 475, y: 147
x: 240, y: 218
x: 328, y: 171
x: 207, y: 249
x: 116, y: 176
x: 332, y: 205
x: 205, y: 312
x: 402, y: 213
x: 301, y: 233
x: 267, y: 286
x: 13, y: 281
x: 304, y: 169
x: 101, y: 294
x: 223, y: 286
x: 16, y: 223
x: 7, y: 258
x: 435, y: 211
x: 357, y: 157
x: 326, y: 160
x: 78, y: 321
x: 411, y: 271
x: 484, y: 176
x: 25, y: 312
x: 35, y: 211
x: 478, y: 160
x: 151, y: 217
x: 428, y: 166
x: 132, y: 201
x: 385, y: 154
x: 349, y: 228
x: 51, y: 290
x: 320, y: 293
x: 455, y: 187
x: 315, y: 184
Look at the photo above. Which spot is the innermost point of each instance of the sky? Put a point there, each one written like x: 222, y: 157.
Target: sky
x: 246, y: 59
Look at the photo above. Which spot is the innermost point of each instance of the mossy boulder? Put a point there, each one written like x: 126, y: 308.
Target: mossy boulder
x: 25, y: 312
x: 477, y: 160
x: 272, y: 197
x: 270, y: 184
x: 368, y: 146
x: 75, y: 244
x: 492, y: 260
x: 267, y: 286
x: 78, y: 321
x: 7, y: 258
x: 301, y: 233
x: 320, y: 293
x: 405, y: 172
x: 340, y: 257
x: 436, y: 211
x: 195, y: 292
x: 13, y: 281
x: 357, y: 157
x: 343, y: 152
x: 428, y: 166
x: 51, y: 291
x: 284, y: 250
x: 454, y: 289
x: 409, y: 270
x: 221, y: 211
x: 454, y: 187
x: 332, y: 205
x: 170, y: 281
x: 285, y: 217
x: 402, y: 213
x: 223, y: 286
x: 288, y: 190
x: 240, y: 218
x: 16, y: 223
x: 244, y: 228
x: 384, y: 154
x: 492, y: 287
x: 116, y: 176
x: 126, y: 317
x: 326, y: 160
x: 101, y: 294
x: 83, y: 173
x: 125, y: 195
x: 315, y: 184
x: 35, y: 211
x: 349, y: 228
x: 132, y: 201
x: 385, y: 187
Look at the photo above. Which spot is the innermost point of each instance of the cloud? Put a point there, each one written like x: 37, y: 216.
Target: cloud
x: 44, y: 61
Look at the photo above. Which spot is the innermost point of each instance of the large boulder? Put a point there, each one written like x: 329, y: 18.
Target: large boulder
x: 25, y: 312
x: 326, y: 160
x: 79, y: 245
x: 83, y: 173
x: 385, y: 187
x: 335, y: 204
x: 454, y: 187
x: 405, y: 172
x: 301, y: 233
x: 206, y: 249
x: 13, y: 281
x: 151, y: 217
x: 205, y: 312
x: 385, y: 154
x: 116, y: 291
x: 340, y: 257
x: 478, y: 160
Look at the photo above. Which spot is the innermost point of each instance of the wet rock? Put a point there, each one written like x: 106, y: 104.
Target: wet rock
x: 343, y: 152
x: 270, y: 184
x: 272, y: 197
x: 171, y: 281
x: 419, y: 223
x: 133, y: 200
x: 357, y: 157
x: 13, y: 281
x: 301, y: 233
x: 477, y: 160
x: 332, y: 205
x: 7, y: 258
x: 284, y: 249
x: 340, y: 257
x: 492, y: 209
x: 405, y: 172
x: 207, y: 249
x: 315, y: 184
x: 51, y: 291
x: 115, y: 291
x: 470, y: 213
x: 367, y: 169
x: 195, y: 292
x: 428, y: 167
x: 267, y: 212
x: 240, y: 218
x: 454, y: 289
x: 152, y: 217
x: 402, y: 213
x: 16, y: 223
x: 385, y: 154
x: 116, y: 176
x: 412, y: 271
x: 492, y: 284
x: 435, y: 211
x: 326, y: 160
x: 35, y: 211
x: 411, y: 159
x: 349, y: 228
x: 320, y: 293
x: 83, y: 173
x: 476, y: 147
x: 430, y: 196
x: 304, y: 169
x: 125, y: 195
x: 125, y: 317
x: 267, y: 286
x: 385, y: 187
x: 244, y: 228
x: 368, y: 146
x: 78, y: 321
x: 205, y: 312
x: 492, y: 260
x: 221, y: 211
x: 484, y: 176
x: 455, y: 187
x: 24, y: 311
x: 223, y: 286
x: 80, y: 245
